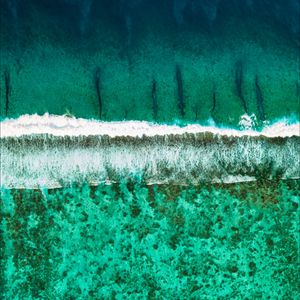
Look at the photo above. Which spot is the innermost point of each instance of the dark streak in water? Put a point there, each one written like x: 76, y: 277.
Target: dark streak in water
x: 154, y: 99
x: 214, y: 102
x: 97, y: 81
x: 180, y: 91
x: 239, y: 74
x: 196, y: 113
x: 7, y: 90
x: 259, y: 100
x: 298, y: 89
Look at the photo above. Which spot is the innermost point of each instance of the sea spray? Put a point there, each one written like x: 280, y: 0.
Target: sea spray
x: 70, y: 126
x: 75, y: 151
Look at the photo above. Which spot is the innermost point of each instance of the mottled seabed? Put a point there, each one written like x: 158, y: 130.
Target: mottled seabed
x: 133, y: 241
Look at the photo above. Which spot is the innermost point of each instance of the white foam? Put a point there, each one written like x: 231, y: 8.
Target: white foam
x: 66, y: 126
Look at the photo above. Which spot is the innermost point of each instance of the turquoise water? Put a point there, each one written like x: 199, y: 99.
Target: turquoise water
x: 131, y: 241
x: 120, y: 215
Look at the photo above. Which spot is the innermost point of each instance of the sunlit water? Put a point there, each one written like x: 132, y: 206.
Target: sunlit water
x: 149, y: 149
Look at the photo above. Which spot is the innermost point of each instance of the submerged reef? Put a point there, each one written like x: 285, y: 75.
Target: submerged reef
x: 151, y: 242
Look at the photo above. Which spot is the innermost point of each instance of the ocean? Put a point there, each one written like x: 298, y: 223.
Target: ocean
x: 149, y: 149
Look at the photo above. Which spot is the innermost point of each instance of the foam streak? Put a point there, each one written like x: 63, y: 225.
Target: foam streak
x: 65, y: 126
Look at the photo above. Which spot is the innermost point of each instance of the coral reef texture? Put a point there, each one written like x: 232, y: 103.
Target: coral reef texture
x: 131, y: 241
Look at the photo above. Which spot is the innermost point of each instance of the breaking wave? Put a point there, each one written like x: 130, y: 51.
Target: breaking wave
x: 52, y: 151
x: 70, y: 126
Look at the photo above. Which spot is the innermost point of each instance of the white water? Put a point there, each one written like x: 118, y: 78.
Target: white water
x: 49, y: 159
x: 66, y: 126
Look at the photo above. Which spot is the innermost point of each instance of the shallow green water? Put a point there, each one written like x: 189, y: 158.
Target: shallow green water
x: 130, y: 241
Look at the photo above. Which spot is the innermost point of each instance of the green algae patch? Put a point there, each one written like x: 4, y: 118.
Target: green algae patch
x: 151, y: 242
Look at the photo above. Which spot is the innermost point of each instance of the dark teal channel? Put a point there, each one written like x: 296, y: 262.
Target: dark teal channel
x: 167, y: 61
